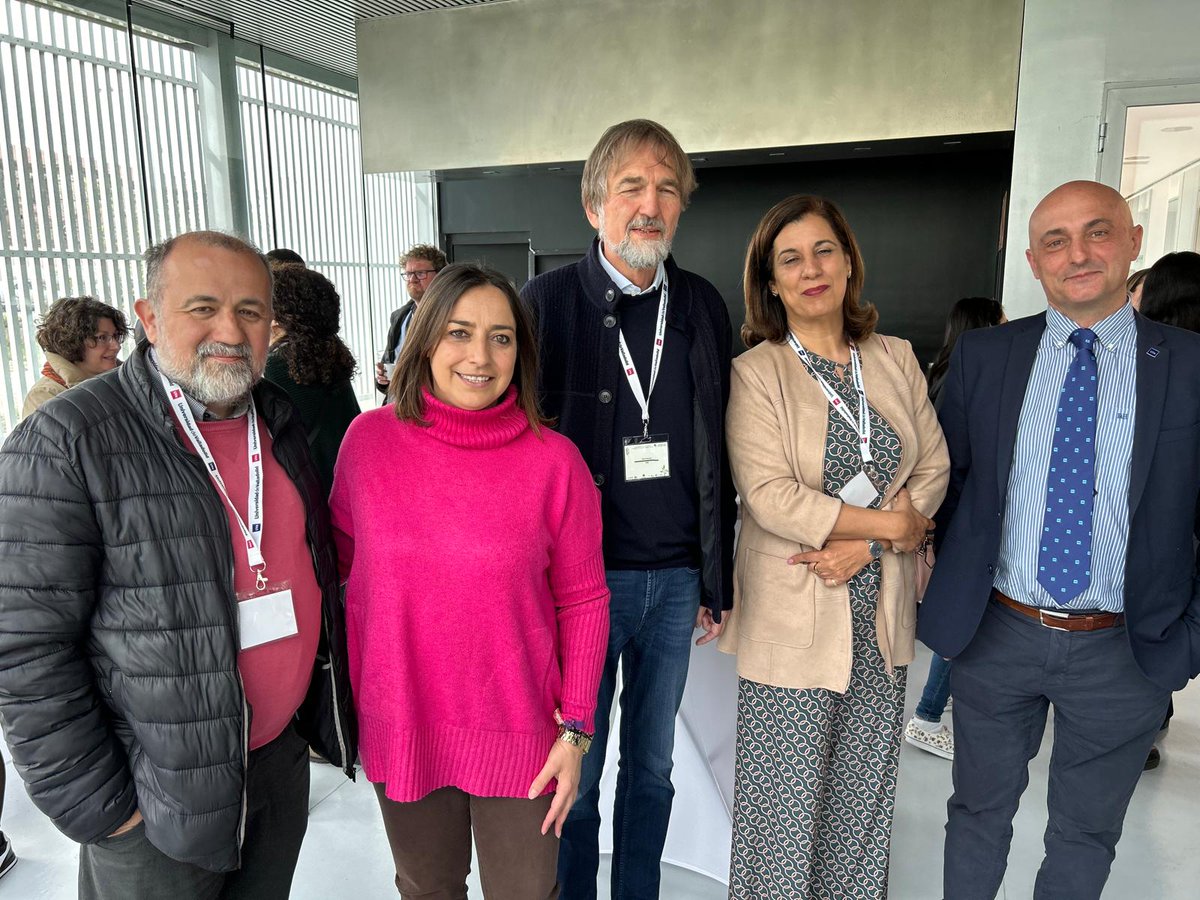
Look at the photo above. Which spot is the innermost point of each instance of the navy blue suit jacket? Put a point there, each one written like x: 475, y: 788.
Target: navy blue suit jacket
x: 979, y: 408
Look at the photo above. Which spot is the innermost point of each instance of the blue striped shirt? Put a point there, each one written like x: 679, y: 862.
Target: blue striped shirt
x: 1116, y: 370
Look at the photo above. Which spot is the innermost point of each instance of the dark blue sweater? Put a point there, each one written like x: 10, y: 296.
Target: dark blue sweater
x: 581, y: 381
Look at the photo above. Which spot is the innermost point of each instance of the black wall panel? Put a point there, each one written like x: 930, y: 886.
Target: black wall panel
x: 929, y: 225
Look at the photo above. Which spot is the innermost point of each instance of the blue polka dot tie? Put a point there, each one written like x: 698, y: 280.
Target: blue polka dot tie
x: 1065, y: 555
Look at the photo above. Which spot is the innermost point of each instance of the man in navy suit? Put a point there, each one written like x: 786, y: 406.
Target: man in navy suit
x: 1066, y: 562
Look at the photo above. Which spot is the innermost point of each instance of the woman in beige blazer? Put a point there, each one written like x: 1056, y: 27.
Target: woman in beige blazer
x: 835, y: 499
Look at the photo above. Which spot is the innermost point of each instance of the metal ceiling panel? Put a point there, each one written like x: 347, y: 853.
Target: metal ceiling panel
x: 316, y: 31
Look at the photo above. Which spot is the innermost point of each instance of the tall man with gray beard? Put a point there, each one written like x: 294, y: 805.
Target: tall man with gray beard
x: 635, y: 357
x: 171, y: 636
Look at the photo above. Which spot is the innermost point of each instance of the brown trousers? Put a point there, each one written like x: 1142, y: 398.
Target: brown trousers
x: 431, y: 845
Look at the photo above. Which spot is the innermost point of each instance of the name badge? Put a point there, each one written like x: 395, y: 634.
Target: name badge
x: 646, y: 457
x: 859, y: 491
x: 266, y: 618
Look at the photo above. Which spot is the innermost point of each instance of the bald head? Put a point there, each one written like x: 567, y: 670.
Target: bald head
x: 1082, y: 241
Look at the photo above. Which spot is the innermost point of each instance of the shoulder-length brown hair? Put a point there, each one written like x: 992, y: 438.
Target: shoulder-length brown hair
x: 766, y: 316
x: 413, y: 374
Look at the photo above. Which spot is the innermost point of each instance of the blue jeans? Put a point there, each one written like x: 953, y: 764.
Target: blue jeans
x: 651, y: 614
x: 1106, y: 714
x: 937, y: 690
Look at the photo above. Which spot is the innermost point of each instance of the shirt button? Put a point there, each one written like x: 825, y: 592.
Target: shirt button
x: 605, y: 396
x: 609, y: 294
x: 598, y: 478
x: 610, y: 321
x: 991, y: 570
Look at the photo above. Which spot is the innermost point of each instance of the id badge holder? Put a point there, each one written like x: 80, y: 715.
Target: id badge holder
x: 267, y: 615
x: 646, y: 457
x: 859, y: 491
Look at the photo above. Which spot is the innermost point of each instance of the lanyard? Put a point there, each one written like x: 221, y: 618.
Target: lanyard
x: 254, y: 505
x: 635, y: 385
x: 862, y: 427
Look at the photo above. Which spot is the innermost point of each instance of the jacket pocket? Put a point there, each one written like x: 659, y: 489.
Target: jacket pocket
x: 779, y: 605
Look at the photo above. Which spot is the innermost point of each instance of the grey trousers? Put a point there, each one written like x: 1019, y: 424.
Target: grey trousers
x: 129, y: 867
x: 1106, y: 714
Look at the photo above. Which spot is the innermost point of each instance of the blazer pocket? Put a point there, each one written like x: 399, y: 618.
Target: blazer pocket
x: 1186, y: 432
x: 779, y: 601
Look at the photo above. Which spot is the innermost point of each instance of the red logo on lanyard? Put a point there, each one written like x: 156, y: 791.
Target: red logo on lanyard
x: 254, y: 458
x: 176, y: 394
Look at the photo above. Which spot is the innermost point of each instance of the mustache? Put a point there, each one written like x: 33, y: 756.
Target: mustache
x: 646, y: 222
x: 217, y: 348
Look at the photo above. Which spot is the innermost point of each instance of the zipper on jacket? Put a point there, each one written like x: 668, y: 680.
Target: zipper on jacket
x: 237, y: 641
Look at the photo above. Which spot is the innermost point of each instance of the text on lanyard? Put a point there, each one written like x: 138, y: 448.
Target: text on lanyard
x: 635, y: 385
x: 861, y: 426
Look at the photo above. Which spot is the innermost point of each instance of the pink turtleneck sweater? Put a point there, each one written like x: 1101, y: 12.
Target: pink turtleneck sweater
x: 475, y: 595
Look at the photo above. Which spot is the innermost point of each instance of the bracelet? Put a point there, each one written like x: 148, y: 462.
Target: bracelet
x: 570, y: 733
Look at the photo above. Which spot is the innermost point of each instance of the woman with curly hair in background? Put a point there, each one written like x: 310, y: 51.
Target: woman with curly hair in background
x: 310, y: 361
x: 81, y: 337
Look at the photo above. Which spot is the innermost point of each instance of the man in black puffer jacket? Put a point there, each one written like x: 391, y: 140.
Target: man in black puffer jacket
x: 171, y: 632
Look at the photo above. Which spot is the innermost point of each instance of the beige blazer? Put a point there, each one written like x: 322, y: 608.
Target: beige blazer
x: 46, y: 388
x: 787, y: 628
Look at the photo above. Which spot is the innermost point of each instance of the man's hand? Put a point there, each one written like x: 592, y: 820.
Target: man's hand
x: 564, y: 764
x: 131, y: 823
x: 837, y: 562
x: 712, y: 630
x: 381, y: 375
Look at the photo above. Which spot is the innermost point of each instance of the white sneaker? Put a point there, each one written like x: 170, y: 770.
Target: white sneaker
x: 939, y: 741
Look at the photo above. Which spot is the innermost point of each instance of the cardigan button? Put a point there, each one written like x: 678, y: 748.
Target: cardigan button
x: 610, y: 321
x: 598, y: 478
x: 609, y: 294
x: 605, y: 396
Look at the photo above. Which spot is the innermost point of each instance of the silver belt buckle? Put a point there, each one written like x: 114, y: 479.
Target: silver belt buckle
x: 1042, y: 613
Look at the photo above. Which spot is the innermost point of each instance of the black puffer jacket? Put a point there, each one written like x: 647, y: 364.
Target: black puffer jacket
x: 119, y: 685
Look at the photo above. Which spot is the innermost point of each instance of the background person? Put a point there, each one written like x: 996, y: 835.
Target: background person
x: 310, y: 362
x: 1133, y: 285
x: 420, y: 264
x: 478, y: 612
x: 836, y: 485
x: 925, y: 729
x: 81, y: 337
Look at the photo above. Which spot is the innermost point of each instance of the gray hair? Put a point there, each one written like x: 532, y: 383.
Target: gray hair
x: 156, y: 256
x: 617, y: 143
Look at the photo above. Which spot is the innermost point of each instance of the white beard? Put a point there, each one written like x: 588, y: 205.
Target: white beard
x: 223, y: 383
x: 640, y: 253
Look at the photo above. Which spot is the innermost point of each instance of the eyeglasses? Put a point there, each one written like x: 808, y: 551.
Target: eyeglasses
x: 419, y: 274
x: 113, y: 340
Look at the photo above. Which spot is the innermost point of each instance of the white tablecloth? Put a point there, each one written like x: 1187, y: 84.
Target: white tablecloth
x: 702, y: 816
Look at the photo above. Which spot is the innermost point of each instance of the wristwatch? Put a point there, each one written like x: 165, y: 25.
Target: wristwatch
x: 575, y: 738
x: 876, y: 549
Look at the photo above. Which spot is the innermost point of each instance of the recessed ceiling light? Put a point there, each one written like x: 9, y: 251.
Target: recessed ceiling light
x: 950, y: 143
x: 858, y: 149
x: 489, y: 172
x: 1176, y: 128
x: 554, y: 169
x: 699, y: 159
x: 776, y: 153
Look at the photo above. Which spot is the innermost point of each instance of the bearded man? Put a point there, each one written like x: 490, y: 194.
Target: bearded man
x: 635, y: 357
x: 171, y: 638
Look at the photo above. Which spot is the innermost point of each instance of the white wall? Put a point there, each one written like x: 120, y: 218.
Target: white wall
x: 535, y: 81
x: 1070, y: 50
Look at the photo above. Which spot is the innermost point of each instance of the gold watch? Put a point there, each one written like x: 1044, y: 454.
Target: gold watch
x: 575, y: 738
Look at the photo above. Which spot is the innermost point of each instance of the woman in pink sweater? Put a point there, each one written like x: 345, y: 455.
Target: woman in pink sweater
x: 469, y: 537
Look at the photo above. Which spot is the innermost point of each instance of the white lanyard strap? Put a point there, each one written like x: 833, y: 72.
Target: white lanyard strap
x: 635, y: 385
x: 862, y: 427
x: 254, y: 501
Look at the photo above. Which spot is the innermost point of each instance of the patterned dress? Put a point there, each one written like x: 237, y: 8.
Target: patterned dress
x: 815, y: 782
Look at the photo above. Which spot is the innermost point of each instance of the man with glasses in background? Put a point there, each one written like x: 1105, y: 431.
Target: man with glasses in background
x: 420, y: 264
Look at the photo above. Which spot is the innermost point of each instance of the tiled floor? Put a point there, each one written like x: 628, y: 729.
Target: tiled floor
x: 345, y: 854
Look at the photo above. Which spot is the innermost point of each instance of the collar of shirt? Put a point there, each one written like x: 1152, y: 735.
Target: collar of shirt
x: 1116, y: 333
x: 199, y: 410
x: 624, y: 284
